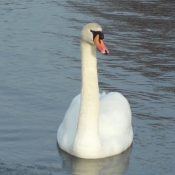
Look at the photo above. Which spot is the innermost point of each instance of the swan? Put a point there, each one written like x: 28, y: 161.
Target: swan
x: 95, y: 125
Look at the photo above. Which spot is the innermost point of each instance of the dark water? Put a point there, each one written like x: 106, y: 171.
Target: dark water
x: 40, y: 74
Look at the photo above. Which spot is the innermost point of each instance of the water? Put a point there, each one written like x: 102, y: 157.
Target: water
x: 40, y: 74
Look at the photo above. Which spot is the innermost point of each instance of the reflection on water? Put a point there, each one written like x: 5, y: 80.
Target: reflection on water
x: 117, y: 165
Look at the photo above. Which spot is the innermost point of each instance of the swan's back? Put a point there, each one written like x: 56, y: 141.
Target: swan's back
x: 115, y: 128
x: 115, y: 123
x: 67, y: 130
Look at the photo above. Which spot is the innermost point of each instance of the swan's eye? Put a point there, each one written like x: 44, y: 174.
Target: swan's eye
x: 95, y: 33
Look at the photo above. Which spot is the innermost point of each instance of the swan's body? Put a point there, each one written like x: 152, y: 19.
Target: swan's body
x: 95, y: 125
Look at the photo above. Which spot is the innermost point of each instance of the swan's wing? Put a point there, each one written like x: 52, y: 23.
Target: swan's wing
x: 115, y: 121
x: 67, y: 129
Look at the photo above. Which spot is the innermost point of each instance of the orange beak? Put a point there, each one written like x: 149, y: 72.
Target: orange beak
x: 100, y: 45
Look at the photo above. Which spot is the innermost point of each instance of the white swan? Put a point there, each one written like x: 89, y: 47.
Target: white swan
x: 95, y: 125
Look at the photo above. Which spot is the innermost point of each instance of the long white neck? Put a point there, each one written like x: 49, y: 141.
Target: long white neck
x: 89, y: 109
x: 88, y: 125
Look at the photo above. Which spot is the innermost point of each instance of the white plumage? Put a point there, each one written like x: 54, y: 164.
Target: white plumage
x: 95, y: 125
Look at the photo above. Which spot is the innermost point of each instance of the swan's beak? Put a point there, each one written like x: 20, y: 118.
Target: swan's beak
x: 100, y: 45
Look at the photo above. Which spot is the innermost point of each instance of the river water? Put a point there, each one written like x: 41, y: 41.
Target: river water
x: 40, y: 74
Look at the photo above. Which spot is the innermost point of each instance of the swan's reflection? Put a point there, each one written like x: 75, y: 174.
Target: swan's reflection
x: 117, y: 164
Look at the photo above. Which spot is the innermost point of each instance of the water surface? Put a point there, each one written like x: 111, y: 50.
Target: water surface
x: 40, y: 74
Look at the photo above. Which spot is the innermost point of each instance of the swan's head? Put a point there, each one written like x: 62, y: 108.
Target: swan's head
x: 92, y: 34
